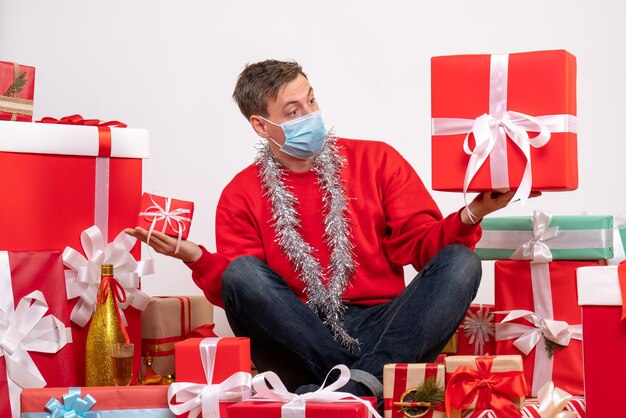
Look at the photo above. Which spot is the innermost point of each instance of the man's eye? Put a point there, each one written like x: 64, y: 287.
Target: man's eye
x: 312, y: 100
x: 293, y: 112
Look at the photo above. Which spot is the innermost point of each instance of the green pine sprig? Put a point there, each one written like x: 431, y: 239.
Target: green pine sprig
x: 17, y: 86
x: 551, y: 347
x: 426, y: 392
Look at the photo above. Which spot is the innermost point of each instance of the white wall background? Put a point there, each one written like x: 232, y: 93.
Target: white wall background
x: 170, y: 67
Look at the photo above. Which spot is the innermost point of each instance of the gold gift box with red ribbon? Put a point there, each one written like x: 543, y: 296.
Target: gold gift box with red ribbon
x: 168, y: 320
x: 485, y: 382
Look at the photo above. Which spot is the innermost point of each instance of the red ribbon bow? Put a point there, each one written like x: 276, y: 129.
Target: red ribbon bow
x: 621, y: 274
x: 104, y: 129
x: 119, y: 296
x: 493, y: 389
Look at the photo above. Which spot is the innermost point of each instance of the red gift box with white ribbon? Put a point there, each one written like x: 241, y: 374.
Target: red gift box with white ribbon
x: 544, y: 323
x: 35, y: 338
x: 60, y: 178
x: 167, y: 215
x: 602, y: 295
x: 504, y: 122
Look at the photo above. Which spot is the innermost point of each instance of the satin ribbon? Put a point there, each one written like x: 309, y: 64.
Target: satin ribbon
x: 73, y: 406
x: 173, y: 219
x: 552, y: 401
x: 542, y: 326
x: 22, y: 330
x: 619, y: 254
x: 110, y: 286
x: 198, y: 398
x: 295, y: 405
x: 536, y: 250
x: 83, y: 277
x: 491, y: 130
x: 479, y: 329
x: 491, y: 390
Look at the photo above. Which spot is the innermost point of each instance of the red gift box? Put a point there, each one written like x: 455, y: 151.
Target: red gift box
x: 232, y: 355
x: 119, y: 401
x: 602, y: 292
x: 170, y: 216
x: 20, y: 274
x: 545, y: 293
x: 215, y: 359
x: 262, y: 409
x: 476, y: 334
x: 17, y: 90
x: 528, y: 92
x: 58, y: 180
x: 402, y: 377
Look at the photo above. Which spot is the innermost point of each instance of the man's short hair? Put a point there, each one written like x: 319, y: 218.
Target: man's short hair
x: 260, y: 82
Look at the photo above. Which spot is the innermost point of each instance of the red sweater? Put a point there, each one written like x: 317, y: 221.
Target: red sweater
x: 395, y: 222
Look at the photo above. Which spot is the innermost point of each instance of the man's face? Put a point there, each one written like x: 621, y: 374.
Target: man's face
x: 293, y: 100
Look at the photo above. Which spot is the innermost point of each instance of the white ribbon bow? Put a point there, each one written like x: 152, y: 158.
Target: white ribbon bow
x: 552, y: 401
x: 536, y: 250
x: 205, y: 398
x: 173, y: 219
x: 559, y: 332
x: 25, y: 329
x: 516, y: 125
x: 619, y: 255
x: 479, y: 328
x: 83, y: 278
x: 295, y: 405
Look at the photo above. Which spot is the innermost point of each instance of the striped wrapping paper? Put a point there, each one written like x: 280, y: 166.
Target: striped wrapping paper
x: 531, y: 409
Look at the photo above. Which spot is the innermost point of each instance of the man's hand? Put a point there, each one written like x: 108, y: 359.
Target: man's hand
x: 486, y: 203
x: 164, y: 244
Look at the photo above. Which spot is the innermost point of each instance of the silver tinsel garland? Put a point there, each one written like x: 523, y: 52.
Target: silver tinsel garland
x: 324, y: 300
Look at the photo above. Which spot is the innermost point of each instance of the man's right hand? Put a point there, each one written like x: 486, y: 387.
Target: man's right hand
x: 164, y: 244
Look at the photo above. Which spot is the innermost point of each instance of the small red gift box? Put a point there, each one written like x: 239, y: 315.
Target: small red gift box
x: 498, y: 105
x: 544, y: 323
x: 170, y: 216
x: 602, y: 294
x: 232, y: 355
x: 81, y: 175
x: 168, y: 320
x: 41, y: 356
x: 17, y: 90
x: 476, y: 334
x: 215, y: 359
x: 115, y: 401
x: 402, y: 378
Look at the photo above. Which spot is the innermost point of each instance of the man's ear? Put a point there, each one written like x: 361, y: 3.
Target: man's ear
x: 259, y: 125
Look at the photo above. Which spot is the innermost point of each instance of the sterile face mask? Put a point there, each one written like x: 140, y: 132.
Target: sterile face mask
x: 304, y: 136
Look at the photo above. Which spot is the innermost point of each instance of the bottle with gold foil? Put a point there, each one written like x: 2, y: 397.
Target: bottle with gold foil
x: 105, y: 329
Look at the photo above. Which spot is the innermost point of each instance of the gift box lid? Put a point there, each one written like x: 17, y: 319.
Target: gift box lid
x: 599, y: 286
x: 45, y: 138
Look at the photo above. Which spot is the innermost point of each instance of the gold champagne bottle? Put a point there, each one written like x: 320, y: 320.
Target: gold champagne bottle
x: 104, y: 330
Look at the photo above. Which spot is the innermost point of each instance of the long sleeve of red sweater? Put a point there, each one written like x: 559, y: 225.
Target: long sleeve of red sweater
x: 394, y: 222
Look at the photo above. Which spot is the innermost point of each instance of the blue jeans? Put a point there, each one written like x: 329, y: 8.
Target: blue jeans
x: 288, y: 338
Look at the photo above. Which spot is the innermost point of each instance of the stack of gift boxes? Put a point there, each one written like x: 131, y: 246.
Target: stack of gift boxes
x: 499, y: 122
x: 555, y: 331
